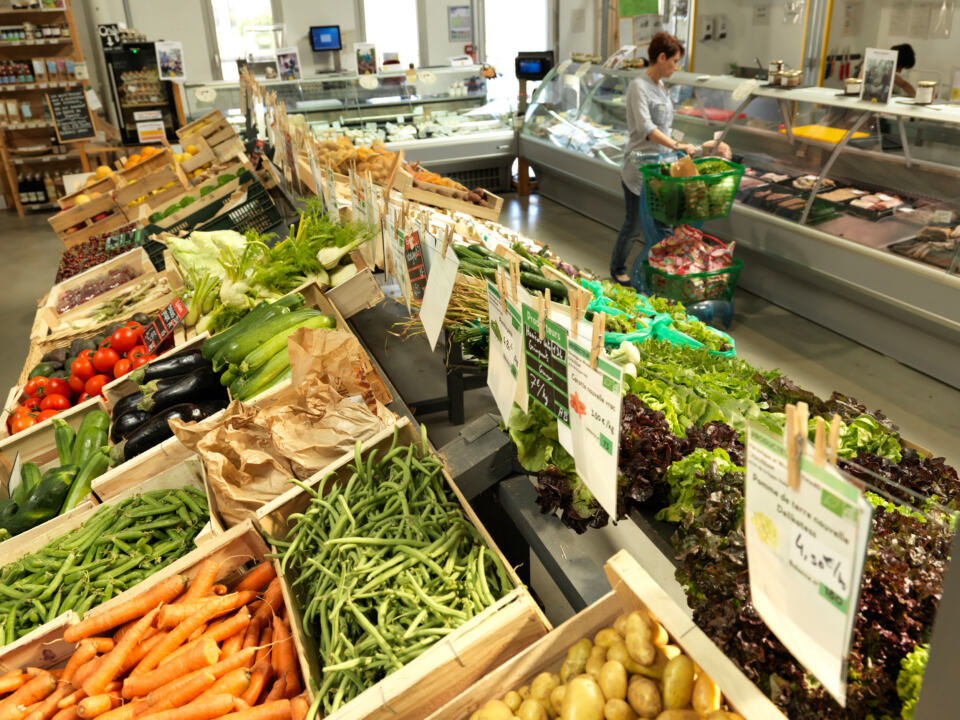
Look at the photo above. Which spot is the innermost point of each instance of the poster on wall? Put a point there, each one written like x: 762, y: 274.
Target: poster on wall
x: 288, y: 63
x: 170, y: 60
x: 879, y: 69
x: 459, y: 23
x: 366, y: 58
x: 629, y: 8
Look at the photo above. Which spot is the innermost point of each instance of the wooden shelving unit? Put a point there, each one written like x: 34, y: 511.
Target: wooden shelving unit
x: 37, y: 131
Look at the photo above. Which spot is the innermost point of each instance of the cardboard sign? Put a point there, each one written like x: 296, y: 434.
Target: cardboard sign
x: 506, y: 342
x: 330, y: 193
x: 805, y: 550
x: 72, y: 120
x: 441, y: 278
x: 595, y: 401
x: 162, y: 326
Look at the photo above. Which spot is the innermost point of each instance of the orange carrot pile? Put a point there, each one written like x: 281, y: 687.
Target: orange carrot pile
x: 176, y: 652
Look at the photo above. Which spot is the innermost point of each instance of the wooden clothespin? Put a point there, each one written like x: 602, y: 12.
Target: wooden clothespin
x: 514, y: 278
x: 796, y: 441
x: 542, y: 319
x: 501, y: 288
x: 833, y: 441
x: 596, y: 342
x: 448, y: 236
x: 820, y: 443
x: 547, y: 303
x: 574, y: 317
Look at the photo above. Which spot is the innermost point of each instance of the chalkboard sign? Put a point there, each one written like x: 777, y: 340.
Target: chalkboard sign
x: 71, y: 115
x: 162, y: 326
x: 546, y: 364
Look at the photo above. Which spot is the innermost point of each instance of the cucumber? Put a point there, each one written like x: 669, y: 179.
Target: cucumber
x: 465, y: 253
x: 248, y: 386
x: 245, y: 343
x: 540, y: 283
x: 468, y: 268
x: 271, y: 347
x: 260, y: 314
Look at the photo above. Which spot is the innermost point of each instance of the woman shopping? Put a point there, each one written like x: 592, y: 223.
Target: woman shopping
x: 649, y: 120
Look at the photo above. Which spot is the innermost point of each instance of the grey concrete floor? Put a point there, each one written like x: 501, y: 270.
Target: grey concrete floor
x: 768, y: 336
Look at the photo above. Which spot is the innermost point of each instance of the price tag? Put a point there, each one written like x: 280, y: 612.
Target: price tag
x: 416, y: 270
x: 805, y: 552
x: 943, y: 216
x: 546, y: 363
x: 595, y: 401
x: 162, y: 326
x: 436, y: 297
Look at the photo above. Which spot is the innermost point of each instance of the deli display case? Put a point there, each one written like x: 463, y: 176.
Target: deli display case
x: 848, y: 214
x: 441, y: 118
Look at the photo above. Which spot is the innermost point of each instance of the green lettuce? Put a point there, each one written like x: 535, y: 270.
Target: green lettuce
x: 910, y: 679
x: 538, y: 445
x: 685, y: 475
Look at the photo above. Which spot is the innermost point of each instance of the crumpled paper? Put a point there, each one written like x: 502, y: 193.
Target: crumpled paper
x: 255, y: 448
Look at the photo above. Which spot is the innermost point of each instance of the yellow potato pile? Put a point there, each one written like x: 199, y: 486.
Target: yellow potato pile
x: 342, y: 156
x: 628, y: 671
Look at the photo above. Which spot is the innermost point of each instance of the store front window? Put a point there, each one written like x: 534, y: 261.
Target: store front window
x: 511, y: 27
x: 243, y: 29
x: 391, y: 25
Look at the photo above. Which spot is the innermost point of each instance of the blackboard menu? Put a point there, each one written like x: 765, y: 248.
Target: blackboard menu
x: 416, y: 270
x: 71, y: 115
x: 162, y: 326
x: 546, y: 364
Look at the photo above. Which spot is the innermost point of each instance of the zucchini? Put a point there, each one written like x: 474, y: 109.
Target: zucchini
x: 29, y: 479
x: 261, y: 313
x: 42, y: 502
x: 248, y: 386
x: 91, y: 436
x: 242, y: 345
x: 229, y: 375
x: 482, y: 272
x: 464, y: 252
x: 64, y: 436
x: 488, y: 254
x: 271, y: 347
x: 95, y: 466
x: 540, y: 283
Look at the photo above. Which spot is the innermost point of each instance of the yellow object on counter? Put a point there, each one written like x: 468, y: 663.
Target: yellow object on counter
x: 823, y: 133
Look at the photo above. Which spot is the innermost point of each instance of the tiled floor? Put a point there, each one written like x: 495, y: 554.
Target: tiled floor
x: 927, y: 411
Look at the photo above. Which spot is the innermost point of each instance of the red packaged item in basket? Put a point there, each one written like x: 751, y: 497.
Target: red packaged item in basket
x: 688, y: 251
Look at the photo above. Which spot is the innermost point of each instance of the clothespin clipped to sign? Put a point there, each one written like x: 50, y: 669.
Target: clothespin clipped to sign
x: 514, y: 277
x: 448, y: 236
x: 820, y: 443
x: 546, y: 303
x: 501, y: 288
x: 796, y: 440
x: 596, y: 342
x: 541, y: 320
x: 574, y: 315
x: 833, y: 441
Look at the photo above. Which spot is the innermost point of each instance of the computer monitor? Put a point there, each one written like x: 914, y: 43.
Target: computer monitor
x: 325, y: 37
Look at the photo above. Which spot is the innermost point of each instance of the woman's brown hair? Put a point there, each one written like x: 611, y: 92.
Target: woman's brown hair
x: 664, y: 42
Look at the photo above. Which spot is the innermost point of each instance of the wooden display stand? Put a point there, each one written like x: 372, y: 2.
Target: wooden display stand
x: 436, y: 196
x: 79, y: 223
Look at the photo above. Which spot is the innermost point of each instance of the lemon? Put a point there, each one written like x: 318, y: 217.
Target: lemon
x: 103, y: 171
x: 192, y: 149
x: 81, y: 199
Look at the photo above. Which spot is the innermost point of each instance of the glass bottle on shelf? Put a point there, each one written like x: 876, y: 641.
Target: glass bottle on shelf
x: 49, y: 187
x: 22, y: 190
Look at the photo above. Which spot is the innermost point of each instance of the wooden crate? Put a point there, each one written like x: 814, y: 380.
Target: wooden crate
x: 209, y: 199
x: 102, y: 186
x: 203, y: 156
x: 150, y: 165
x: 433, y: 195
x: 79, y: 223
x: 213, y: 118
x: 234, y: 550
x: 17, y: 396
x: 633, y: 589
x: 360, y: 292
x: 448, y: 667
x: 155, y: 189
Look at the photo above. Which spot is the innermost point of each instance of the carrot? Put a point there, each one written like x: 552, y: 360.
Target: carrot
x: 15, y: 679
x: 232, y: 644
x: 103, y: 644
x: 48, y: 708
x: 127, y: 711
x: 183, y: 630
x: 284, y: 658
x: 219, y: 589
x: 84, y: 653
x: 202, y: 581
x: 32, y: 691
x: 252, y: 635
x: 140, y: 605
x: 279, y: 710
x: 259, y: 677
x: 203, y: 708
x: 238, y: 622
x: 68, y: 713
x: 140, y: 651
x: 266, y: 643
x: 173, y: 615
x: 233, y: 683
x: 240, y: 704
x: 272, y: 600
x: 180, y: 691
x: 204, y: 655
x: 95, y: 705
x: 299, y: 706
x: 258, y: 578
x: 279, y: 689
x: 113, y: 661
x: 72, y: 699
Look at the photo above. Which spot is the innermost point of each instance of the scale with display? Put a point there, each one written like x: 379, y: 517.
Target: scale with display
x: 528, y: 66
x: 326, y: 43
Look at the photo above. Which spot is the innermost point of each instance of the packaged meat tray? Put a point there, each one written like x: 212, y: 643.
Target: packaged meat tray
x: 748, y: 184
x: 843, y: 195
x: 876, y: 206
x: 805, y: 183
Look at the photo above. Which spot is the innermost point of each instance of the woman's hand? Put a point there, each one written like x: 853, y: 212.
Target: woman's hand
x: 721, y: 149
x: 686, y: 148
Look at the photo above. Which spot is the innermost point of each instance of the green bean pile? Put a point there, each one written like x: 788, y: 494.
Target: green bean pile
x: 117, y: 547
x: 385, y: 565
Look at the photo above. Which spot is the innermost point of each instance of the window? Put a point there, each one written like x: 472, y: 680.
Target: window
x: 512, y: 27
x: 244, y: 27
x: 391, y: 25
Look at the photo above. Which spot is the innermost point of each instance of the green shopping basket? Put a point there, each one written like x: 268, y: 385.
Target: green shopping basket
x: 682, y: 200
x: 695, y: 287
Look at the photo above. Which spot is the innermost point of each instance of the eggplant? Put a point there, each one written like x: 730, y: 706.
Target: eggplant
x: 127, y: 423
x: 130, y: 402
x: 169, y: 367
x: 157, y: 429
x: 202, y: 384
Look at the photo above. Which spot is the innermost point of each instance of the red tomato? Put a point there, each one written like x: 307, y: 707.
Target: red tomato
x: 95, y: 384
x: 35, y: 386
x: 122, y: 368
x: 58, y: 386
x: 31, y: 404
x: 85, y: 354
x: 135, y: 326
x: 75, y: 383
x: 23, y: 409
x: 83, y: 368
x: 142, y: 360
x: 22, y: 422
x: 83, y: 398
x: 123, y: 339
x: 54, y: 402
x: 137, y: 351
x: 104, y: 359
x: 46, y: 414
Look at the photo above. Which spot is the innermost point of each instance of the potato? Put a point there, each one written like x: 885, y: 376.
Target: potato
x: 542, y: 685
x: 495, y: 710
x: 607, y: 637
x: 620, y: 624
x: 532, y: 710
x: 524, y: 692
x: 644, y: 696
x: 706, y: 695
x: 618, y: 710
x: 723, y: 715
x: 598, y: 656
x: 637, y: 623
x: 654, y: 671
x: 678, y: 715
x: 671, y: 651
x: 640, y: 648
x: 583, y: 700
x: 556, y: 698
x: 658, y: 634
x: 618, y: 651
x: 678, y: 683
x: 512, y: 700
x: 613, y: 680
x: 576, y: 661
